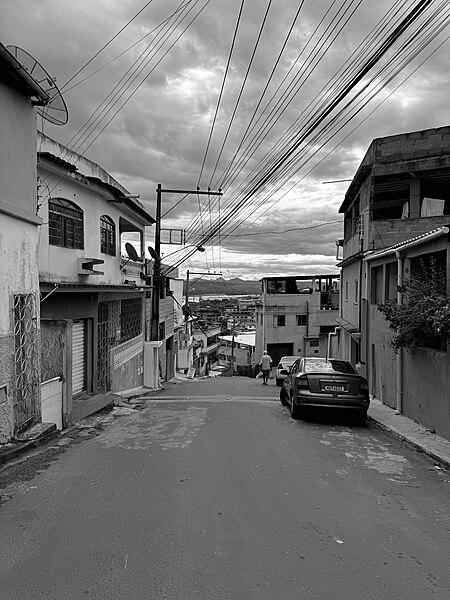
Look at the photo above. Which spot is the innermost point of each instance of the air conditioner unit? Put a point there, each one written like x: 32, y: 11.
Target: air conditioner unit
x: 86, y: 266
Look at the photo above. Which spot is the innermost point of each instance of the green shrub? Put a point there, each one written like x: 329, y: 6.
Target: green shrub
x: 423, y: 317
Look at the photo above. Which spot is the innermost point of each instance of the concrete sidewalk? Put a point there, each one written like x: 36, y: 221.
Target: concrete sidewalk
x: 409, y: 431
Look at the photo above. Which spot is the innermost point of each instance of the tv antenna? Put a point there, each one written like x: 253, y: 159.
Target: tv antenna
x: 55, y: 110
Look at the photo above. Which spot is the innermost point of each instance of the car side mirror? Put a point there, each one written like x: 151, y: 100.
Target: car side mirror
x: 284, y: 372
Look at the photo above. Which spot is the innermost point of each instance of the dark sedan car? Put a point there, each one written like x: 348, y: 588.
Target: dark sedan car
x: 326, y: 384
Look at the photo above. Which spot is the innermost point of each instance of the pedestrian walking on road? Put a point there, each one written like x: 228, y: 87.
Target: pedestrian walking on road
x: 266, y: 365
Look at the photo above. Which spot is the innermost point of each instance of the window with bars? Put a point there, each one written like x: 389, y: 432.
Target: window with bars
x: 26, y: 359
x: 107, y: 235
x: 302, y: 320
x: 130, y: 319
x: 65, y: 221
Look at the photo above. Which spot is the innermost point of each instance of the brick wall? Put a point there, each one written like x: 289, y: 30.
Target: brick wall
x: 417, y: 144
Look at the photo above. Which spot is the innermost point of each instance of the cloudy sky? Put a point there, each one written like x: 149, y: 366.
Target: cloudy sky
x: 266, y: 99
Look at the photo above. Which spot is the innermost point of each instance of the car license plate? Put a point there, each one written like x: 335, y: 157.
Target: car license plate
x: 334, y: 388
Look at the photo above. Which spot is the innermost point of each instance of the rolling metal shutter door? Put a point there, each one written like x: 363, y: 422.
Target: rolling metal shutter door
x: 78, y: 358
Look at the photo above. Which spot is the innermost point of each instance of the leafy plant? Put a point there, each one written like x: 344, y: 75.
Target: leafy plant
x: 423, y: 317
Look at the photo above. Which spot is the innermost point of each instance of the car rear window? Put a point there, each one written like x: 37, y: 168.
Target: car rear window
x: 328, y: 366
x: 286, y: 363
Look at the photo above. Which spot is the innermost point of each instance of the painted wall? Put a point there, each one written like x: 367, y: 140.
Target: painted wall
x: 292, y: 305
x: 350, y: 308
x: 61, y: 264
x: 17, y: 154
x: 18, y: 231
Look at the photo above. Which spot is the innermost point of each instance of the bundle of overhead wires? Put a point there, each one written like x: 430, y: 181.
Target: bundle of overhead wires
x: 288, y: 133
x: 400, y: 37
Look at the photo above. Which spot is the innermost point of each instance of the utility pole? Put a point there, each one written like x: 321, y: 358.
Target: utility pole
x: 232, y: 348
x: 156, y: 255
x: 154, y: 333
x: 186, y: 301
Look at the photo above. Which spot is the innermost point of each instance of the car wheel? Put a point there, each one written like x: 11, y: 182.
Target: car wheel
x: 279, y: 381
x: 360, y: 419
x: 283, y: 400
x: 295, y: 410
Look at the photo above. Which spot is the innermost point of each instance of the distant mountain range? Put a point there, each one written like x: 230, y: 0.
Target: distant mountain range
x: 220, y: 286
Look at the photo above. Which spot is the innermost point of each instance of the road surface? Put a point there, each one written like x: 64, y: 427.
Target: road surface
x: 214, y: 492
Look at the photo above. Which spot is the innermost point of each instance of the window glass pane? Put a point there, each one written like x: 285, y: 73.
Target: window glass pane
x: 107, y: 235
x: 65, y: 224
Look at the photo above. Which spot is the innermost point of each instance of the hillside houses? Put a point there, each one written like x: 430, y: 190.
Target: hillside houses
x: 396, y: 210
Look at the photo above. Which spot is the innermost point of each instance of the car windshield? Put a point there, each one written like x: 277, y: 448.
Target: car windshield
x: 321, y: 365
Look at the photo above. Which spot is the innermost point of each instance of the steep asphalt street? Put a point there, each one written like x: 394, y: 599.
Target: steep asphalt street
x: 214, y: 492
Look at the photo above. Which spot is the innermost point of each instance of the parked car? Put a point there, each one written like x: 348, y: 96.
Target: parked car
x: 284, y: 365
x: 314, y: 382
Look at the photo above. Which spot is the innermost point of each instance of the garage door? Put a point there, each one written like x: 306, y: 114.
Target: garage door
x: 276, y: 351
x: 78, y: 358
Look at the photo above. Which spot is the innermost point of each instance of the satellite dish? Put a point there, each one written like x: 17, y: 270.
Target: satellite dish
x: 153, y: 253
x: 55, y: 110
x: 131, y: 251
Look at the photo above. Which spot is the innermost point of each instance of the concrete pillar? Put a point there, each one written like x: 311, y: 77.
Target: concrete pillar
x: 414, y: 198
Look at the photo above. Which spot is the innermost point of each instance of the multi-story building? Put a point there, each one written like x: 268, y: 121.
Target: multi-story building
x: 206, y: 347
x: 395, y: 210
x: 93, y: 285
x: 230, y: 312
x: 20, y: 401
x: 237, y: 351
x: 400, y: 190
x: 295, y: 315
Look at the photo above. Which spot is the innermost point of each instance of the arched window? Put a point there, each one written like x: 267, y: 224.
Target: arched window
x: 107, y: 235
x: 65, y: 221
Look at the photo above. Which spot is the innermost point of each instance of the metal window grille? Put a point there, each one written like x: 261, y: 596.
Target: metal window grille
x: 26, y: 355
x: 107, y: 236
x: 51, y: 354
x: 65, y: 224
x: 108, y: 326
x: 130, y: 319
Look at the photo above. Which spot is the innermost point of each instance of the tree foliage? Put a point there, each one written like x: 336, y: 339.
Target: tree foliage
x: 423, y: 317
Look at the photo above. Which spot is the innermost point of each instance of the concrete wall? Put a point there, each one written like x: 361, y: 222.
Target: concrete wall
x: 389, y: 232
x: 426, y: 372
x: 6, y: 386
x: 426, y: 387
x: 17, y: 154
x: 350, y: 308
x: 426, y: 379
x: 415, y: 144
x: 18, y: 232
